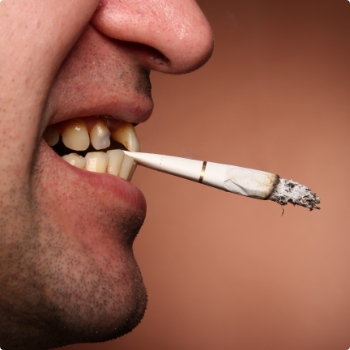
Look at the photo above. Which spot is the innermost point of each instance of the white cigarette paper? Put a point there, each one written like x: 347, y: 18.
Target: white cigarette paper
x: 243, y: 181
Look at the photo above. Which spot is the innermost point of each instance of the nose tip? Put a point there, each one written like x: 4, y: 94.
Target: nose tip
x: 191, y: 46
x: 176, y: 29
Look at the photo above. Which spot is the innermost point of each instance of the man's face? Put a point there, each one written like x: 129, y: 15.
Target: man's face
x: 67, y: 271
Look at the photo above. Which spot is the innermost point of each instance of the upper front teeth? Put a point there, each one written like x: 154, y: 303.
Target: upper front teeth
x: 126, y: 135
x: 75, y: 135
x: 99, y: 135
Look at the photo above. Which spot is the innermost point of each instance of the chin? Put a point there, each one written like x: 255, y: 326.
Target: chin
x: 110, y: 320
x: 95, y: 308
x: 95, y: 292
x: 70, y: 298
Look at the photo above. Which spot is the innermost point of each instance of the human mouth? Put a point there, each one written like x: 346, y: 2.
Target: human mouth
x: 97, y: 144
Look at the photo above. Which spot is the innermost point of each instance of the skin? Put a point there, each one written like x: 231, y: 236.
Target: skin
x: 67, y: 271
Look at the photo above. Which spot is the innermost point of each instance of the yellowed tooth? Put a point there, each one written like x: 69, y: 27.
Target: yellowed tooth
x: 126, y: 135
x: 126, y: 168
x: 75, y: 135
x: 75, y: 160
x: 132, y: 171
x: 51, y: 135
x: 115, y: 161
x: 99, y: 135
x: 96, y: 162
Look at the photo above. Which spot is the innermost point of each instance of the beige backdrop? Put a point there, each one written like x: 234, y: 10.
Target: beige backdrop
x: 225, y: 272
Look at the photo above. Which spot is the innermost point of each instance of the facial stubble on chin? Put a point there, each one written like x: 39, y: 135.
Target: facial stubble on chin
x: 112, y: 298
x: 64, y: 293
x: 99, y: 300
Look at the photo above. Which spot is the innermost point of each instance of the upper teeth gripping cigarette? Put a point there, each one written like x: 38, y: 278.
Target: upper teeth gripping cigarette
x: 243, y: 181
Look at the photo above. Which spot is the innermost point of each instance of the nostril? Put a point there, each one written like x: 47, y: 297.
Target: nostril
x: 148, y: 56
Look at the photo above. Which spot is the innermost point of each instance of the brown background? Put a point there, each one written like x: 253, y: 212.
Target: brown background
x: 226, y: 272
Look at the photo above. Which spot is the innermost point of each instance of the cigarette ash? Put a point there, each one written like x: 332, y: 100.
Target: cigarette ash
x: 288, y: 191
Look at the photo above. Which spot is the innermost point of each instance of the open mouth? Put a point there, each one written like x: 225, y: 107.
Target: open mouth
x: 95, y: 144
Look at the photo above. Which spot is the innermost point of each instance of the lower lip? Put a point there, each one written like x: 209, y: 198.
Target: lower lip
x: 122, y: 190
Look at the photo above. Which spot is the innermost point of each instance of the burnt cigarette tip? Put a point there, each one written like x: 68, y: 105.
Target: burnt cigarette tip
x: 288, y: 191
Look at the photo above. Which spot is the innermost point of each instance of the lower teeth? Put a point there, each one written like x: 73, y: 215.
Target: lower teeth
x: 114, y: 162
x: 75, y: 160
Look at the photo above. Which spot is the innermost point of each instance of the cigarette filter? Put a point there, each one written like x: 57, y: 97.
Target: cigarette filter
x: 242, y: 181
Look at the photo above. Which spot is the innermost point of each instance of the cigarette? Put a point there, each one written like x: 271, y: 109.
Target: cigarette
x: 242, y: 181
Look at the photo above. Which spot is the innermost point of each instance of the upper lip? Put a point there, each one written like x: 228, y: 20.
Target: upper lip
x: 135, y: 112
x: 106, y: 84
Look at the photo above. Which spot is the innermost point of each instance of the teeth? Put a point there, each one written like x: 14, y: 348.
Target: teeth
x: 120, y: 164
x: 115, y: 161
x: 132, y: 170
x: 75, y: 135
x: 127, y: 168
x: 99, y: 136
x: 126, y: 135
x: 96, y: 162
x: 75, y: 160
x: 51, y: 135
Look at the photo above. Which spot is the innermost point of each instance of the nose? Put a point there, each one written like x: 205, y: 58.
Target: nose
x: 171, y: 36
